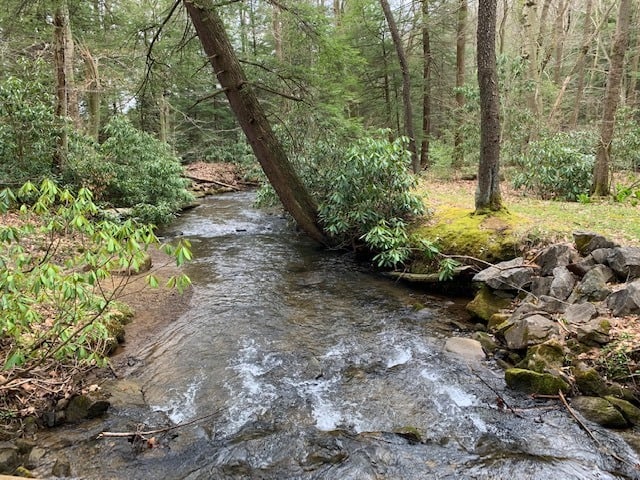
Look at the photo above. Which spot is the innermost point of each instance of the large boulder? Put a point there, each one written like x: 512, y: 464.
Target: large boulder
x: 587, y: 242
x: 629, y: 411
x: 625, y: 301
x: 466, y: 348
x: 562, y: 284
x: 533, y: 382
x: 625, y: 261
x: 529, y: 331
x: 510, y: 275
x: 555, y: 256
x: 600, y: 411
x: 544, y: 358
x: 589, y: 381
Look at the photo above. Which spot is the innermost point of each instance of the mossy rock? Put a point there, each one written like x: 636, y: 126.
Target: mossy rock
x: 600, y: 411
x: 543, y: 358
x: 589, y: 381
x: 498, y: 319
x: 488, y: 343
x: 533, y: 382
x: 486, y: 304
x: 629, y: 411
x: 458, y: 231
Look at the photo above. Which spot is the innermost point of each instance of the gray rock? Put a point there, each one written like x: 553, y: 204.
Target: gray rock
x: 541, y: 285
x: 625, y: 301
x: 601, y: 255
x: 593, y: 287
x: 555, y: 256
x: 595, y: 332
x: 581, y: 267
x: 587, y: 242
x: 562, y: 284
x: 511, y: 275
x: 530, y: 331
x: 62, y: 468
x: 467, y: 348
x: 600, y: 411
x: 35, y: 457
x: 628, y: 410
x: 580, y: 313
x: 551, y: 304
x: 8, y: 457
x: 625, y: 261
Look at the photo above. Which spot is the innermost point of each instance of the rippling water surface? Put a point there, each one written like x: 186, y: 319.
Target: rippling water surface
x: 314, y: 368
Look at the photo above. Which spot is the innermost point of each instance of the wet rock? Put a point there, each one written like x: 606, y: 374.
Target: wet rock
x: 625, y: 301
x: 8, y: 457
x: 122, y: 393
x: 533, y: 382
x: 488, y: 343
x: 510, y: 275
x: 496, y: 320
x: 555, y: 256
x: 589, y: 381
x: 562, y: 284
x: 544, y: 358
x: 593, y: 287
x: 62, y: 468
x: 467, y: 348
x: 411, y: 434
x: 580, y: 313
x: 35, y: 457
x: 84, y: 406
x: 23, y: 472
x: 587, y: 242
x: 625, y: 261
x: 629, y: 411
x: 486, y: 303
x: 530, y: 331
x: 600, y: 411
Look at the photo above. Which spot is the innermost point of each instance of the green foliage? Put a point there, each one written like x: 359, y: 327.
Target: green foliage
x: 132, y: 169
x: 558, y: 166
x: 368, y: 197
x: 626, y: 141
x: 28, y: 131
x: 56, y: 260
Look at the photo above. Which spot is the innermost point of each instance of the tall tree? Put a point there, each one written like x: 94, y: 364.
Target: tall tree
x: 251, y: 117
x: 426, y: 86
x: 406, y: 84
x: 461, y: 42
x: 488, y: 196
x: 611, y: 98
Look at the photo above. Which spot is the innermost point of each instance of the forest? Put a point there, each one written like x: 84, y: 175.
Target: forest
x: 346, y: 111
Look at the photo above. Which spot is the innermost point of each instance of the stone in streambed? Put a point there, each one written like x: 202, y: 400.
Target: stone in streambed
x: 589, y: 381
x: 544, y: 358
x: 600, y: 411
x: 470, y: 350
x: 510, y: 275
x: 530, y: 331
x: 486, y: 303
x: 529, y: 381
x: 629, y: 411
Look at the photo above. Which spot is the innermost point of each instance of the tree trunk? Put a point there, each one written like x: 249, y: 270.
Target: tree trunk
x: 461, y: 42
x: 611, y: 97
x: 426, y: 86
x: 251, y: 117
x: 488, y: 197
x: 406, y: 84
x: 93, y: 92
x: 586, y: 33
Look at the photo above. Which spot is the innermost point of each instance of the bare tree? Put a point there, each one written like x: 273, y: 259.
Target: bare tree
x: 600, y: 184
x: 461, y: 42
x: 251, y: 117
x: 488, y: 196
x: 426, y: 86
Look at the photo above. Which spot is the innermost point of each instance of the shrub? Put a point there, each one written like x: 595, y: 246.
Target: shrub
x: 56, y: 259
x: 557, y: 167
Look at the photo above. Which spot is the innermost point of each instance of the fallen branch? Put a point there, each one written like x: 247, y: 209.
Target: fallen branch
x: 222, y: 184
x: 141, y: 434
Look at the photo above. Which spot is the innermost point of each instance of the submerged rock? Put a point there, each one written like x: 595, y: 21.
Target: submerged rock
x: 533, y: 382
x: 600, y: 411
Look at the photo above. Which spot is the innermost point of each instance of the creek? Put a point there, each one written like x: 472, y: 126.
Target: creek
x: 312, y: 367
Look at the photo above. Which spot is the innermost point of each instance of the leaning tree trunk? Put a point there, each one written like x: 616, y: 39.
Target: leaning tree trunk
x: 488, y: 197
x: 251, y: 117
x: 611, y: 97
x: 406, y: 84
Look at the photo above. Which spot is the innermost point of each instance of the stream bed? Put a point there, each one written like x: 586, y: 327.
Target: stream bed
x: 305, y: 365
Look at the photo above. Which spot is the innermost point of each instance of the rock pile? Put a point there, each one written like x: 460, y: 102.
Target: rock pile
x: 562, y: 303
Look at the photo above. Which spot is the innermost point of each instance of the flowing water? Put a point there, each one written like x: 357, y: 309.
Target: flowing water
x: 313, y: 368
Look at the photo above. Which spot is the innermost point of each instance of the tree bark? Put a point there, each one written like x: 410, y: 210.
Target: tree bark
x: 586, y: 33
x: 426, y: 86
x: 611, y: 98
x: 251, y: 117
x: 488, y: 196
x: 461, y: 42
x: 93, y: 92
x: 406, y: 84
